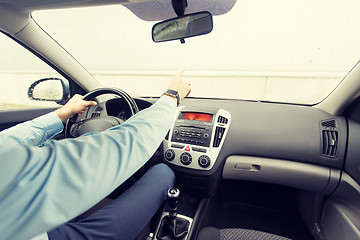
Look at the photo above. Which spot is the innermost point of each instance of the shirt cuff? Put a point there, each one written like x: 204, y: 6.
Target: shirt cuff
x: 42, y: 236
x: 50, y: 123
x: 171, y: 102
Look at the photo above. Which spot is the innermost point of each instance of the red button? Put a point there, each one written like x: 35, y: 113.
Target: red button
x: 187, y: 148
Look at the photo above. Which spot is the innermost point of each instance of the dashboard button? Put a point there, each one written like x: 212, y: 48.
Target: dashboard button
x: 197, y: 149
x: 177, y: 146
x: 204, y: 161
x: 186, y: 158
x: 169, y: 155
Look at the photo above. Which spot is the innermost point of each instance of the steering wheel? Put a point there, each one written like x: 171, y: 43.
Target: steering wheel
x: 96, y: 118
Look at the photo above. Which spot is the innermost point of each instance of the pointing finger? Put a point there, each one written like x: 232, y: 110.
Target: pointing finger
x: 180, y: 73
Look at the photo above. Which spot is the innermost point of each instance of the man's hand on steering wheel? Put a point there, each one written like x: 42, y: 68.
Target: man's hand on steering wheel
x: 76, y: 105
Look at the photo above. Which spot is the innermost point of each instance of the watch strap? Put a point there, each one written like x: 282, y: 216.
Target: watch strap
x: 174, y: 94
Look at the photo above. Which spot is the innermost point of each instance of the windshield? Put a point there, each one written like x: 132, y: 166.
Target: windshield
x: 281, y: 51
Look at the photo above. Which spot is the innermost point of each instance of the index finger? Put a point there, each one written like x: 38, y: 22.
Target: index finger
x: 180, y: 73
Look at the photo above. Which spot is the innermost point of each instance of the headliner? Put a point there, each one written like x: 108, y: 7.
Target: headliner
x: 150, y: 10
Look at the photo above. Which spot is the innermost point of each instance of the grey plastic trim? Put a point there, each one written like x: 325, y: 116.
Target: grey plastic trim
x: 337, y: 223
x: 352, y: 164
x: 288, y: 173
x: 341, y: 213
x: 12, y: 20
x: 334, y: 180
x: 277, y: 131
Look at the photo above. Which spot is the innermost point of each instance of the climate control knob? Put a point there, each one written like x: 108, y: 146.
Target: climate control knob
x: 204, y: 161
x: 186, y: 158
x: 169, y: 155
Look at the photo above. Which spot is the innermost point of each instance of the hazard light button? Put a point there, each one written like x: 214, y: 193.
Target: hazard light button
x: 187, y: 148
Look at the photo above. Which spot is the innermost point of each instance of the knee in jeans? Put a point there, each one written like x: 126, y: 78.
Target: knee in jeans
x: 163, y: 171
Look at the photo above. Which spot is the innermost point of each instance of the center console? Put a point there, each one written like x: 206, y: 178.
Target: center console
x: 196, y: 137
x: 193, y: 142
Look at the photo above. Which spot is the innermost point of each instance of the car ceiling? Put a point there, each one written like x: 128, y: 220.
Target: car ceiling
x: 160, y: 10
x: 145, y: 9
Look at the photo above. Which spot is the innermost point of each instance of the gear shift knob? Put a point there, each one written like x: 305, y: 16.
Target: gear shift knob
x: 173, y: 198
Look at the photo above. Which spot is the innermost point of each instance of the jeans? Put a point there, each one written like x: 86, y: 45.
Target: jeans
x: 126, y: 216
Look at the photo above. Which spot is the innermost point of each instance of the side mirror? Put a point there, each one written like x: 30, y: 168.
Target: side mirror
x: 190, y: 25
x: 50, y: 89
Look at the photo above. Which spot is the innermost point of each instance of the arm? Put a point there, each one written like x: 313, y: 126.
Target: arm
x: 50, y: 185
x: 34, y: 132
x: 39, y: 130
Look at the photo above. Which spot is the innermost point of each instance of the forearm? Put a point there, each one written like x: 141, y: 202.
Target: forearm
x: 34, y: 132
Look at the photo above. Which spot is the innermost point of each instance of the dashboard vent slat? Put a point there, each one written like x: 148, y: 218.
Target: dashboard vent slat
x: 222, y: 119
x: 330, y: 142
x: 95, y: 114
x: 330, y: 123
x: 219, y: 132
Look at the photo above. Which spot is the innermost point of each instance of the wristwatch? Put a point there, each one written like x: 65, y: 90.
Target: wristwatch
x: 173, y: 94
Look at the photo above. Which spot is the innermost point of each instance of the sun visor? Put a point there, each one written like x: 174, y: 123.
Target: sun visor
x: 160, y: 10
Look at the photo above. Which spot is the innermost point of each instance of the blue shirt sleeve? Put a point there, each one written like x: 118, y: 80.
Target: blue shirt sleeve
x: 42, y: 188
x: 34, y: 132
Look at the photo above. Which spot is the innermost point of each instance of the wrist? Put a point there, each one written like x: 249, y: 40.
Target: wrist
x: 173, y: 94
x: 63, y: 113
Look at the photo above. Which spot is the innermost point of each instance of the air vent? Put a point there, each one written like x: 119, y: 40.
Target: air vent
x: 330, y: 142
x: 222, y: 119
x: 219, y: 132
x: 331, y: 124
x: 95, y: 114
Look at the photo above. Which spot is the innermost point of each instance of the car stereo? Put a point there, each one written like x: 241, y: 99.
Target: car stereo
x: 196, y: 137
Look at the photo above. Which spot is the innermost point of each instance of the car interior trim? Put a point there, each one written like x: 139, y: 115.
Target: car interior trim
x: 288, y: 173
x: 340, y: 218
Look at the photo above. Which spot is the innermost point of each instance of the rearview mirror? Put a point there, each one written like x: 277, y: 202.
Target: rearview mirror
x: 186, y: 26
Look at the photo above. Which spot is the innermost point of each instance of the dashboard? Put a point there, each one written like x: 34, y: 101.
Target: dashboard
x: 291, y: 145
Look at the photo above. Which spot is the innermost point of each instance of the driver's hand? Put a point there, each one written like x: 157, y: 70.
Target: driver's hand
x: 180, y: 85
x: 76, y: 105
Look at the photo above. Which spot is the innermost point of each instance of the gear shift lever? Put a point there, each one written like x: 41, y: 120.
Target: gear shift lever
x: 173, y: 227
x: 173, y: 198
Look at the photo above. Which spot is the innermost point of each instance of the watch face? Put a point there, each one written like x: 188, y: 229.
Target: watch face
x: 173, y: 92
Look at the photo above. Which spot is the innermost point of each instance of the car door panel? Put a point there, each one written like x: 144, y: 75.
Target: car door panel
x: 10, y: 118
